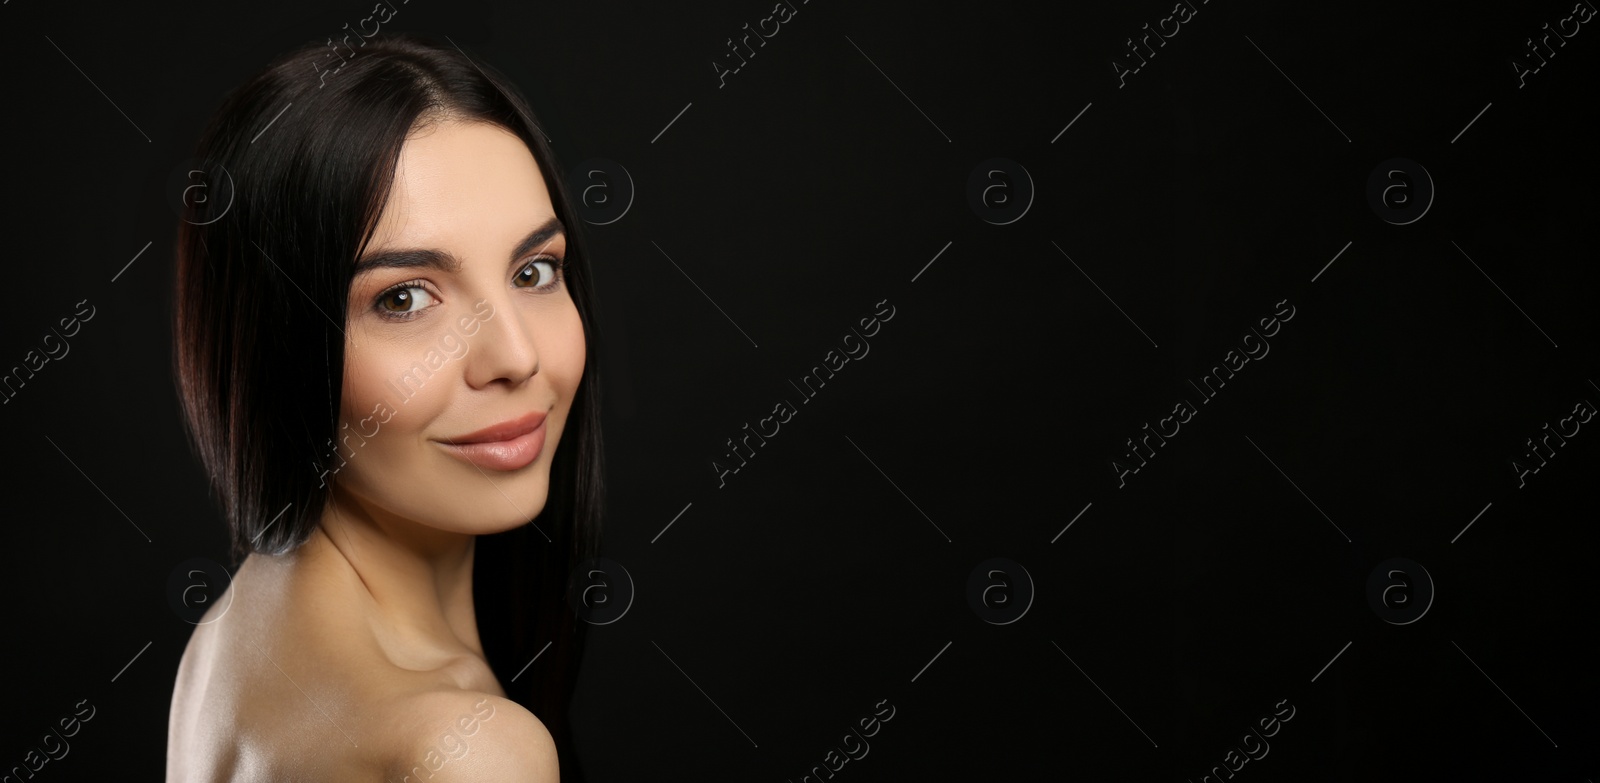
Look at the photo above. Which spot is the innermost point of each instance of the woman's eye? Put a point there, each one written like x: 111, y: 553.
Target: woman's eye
x: 541, y: 273
x: 405, y: 299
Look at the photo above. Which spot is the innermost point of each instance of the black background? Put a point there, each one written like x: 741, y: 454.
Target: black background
x: 777, y: 610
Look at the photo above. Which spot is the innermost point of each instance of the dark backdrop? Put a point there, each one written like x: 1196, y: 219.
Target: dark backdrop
x: 1245, y: 571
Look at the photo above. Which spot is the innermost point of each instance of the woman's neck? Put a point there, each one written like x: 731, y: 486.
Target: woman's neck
x: 418, y: 579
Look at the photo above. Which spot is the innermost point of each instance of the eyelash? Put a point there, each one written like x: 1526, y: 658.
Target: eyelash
x: 560, y: 276
x: 558, y: 273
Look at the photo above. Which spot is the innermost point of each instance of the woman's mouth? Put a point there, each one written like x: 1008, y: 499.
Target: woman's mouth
x: 509, y: 445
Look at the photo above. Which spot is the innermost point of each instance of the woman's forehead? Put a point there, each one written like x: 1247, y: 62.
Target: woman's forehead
x: 461, y: 183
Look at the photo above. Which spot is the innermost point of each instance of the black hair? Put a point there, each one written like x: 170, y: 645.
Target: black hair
x: 301, y: 159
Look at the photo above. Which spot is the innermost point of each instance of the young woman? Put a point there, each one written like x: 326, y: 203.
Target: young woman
x: 382, y: 347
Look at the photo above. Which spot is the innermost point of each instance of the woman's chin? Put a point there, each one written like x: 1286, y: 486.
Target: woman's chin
x: 502, y: 510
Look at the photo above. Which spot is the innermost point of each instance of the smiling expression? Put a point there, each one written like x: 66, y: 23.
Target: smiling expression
x: 460, y: 322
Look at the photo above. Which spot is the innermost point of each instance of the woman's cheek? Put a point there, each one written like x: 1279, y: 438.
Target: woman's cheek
x: 574, y: 343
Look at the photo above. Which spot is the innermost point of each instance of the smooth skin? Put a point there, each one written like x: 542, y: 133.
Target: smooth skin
x: 357, y: 656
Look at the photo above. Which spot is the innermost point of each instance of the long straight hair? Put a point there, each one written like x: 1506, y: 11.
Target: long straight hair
x: 300, y: 160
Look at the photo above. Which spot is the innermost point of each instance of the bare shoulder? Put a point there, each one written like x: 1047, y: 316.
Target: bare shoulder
x: 456, y: 735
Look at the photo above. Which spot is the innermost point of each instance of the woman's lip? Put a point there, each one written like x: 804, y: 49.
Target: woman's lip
x: 513, y: 454
x: 504, y: 431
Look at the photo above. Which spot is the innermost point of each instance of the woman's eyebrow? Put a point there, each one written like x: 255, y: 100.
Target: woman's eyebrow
x: 538, y: 236
x: 444, y: 261
x: 409, y: 259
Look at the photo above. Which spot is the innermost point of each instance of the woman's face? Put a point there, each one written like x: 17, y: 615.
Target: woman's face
x: 461, y: 339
